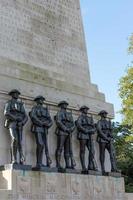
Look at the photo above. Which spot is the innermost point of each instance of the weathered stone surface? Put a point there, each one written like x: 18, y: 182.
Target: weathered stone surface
x: 57, y: 186
x: 96, y: 173
x: 45, y: 169
x: 46, y: 34
x: 114, y: 174
x: 129, y: 196
x: 73, y: 171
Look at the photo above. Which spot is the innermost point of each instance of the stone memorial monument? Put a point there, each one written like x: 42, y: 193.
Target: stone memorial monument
x: 43, y: 52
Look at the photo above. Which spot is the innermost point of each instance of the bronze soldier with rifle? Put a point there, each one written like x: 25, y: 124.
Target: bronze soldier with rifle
x: 105, y: 140
x: 16, y: 118
x: 65, y: 127
x: 41, y: 122
x: 86, y: 128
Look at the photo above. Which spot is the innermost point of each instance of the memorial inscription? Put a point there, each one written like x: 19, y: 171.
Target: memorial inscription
x: 34, y: 30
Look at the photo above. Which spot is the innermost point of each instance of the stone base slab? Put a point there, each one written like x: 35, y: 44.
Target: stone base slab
x: 33, y: 185
x: 15, y: 166
x: 73, y: 171
x: 114, y: 174
x: 45, y: 169
x: 96, y: 173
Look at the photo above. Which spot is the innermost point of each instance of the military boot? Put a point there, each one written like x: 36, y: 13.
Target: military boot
x: 14, y: 155
x: 82, y: 159
x: 48, y: 161
x: 67, y: 161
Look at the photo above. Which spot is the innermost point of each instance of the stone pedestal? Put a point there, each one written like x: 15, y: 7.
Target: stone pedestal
x: 15, y: 166
x: 29, y: 185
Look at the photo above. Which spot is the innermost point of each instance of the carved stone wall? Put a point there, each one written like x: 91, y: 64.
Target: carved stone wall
x: 47, y: 35
x: 52, y: 186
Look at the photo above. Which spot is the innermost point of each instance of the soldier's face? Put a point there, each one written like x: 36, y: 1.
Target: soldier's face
x: 40, y: 101
x: 85, y: 111
x: 104, y: 115
x: 15, y: 95
x: 64, y: 106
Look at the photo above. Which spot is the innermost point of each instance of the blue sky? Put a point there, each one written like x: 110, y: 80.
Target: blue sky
x: 107, y: 25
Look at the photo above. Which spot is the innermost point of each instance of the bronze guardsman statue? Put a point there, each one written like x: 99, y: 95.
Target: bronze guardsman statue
x: 86, y: 128
x: 105, y: 140
x: 65, y: 127
x: 15, y: 120
x: 41, y: 122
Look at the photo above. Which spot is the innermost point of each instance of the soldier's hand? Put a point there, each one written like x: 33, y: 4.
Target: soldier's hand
x: 45, y: 124
x: 86, y: 131
x: 68, y: 130
x: 71, y: 129
x: 20, y: 123
x: 92, y: 131
x: 19, y: 119
x: 109, y: 139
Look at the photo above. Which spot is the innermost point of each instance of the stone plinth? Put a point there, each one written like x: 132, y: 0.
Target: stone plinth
x: 29, y: 185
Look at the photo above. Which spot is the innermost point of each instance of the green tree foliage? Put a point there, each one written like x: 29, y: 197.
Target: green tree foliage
x: 124, y: 132
x: 126, y: 94
x: 124, y: 153
x: 126, y: 91
x: 130, y: 49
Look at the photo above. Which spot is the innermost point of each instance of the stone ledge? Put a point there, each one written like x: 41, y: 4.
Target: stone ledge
x: 115, y: 174
x: 45, y: 169
x: 46, y: 77
x: 15, y: 167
